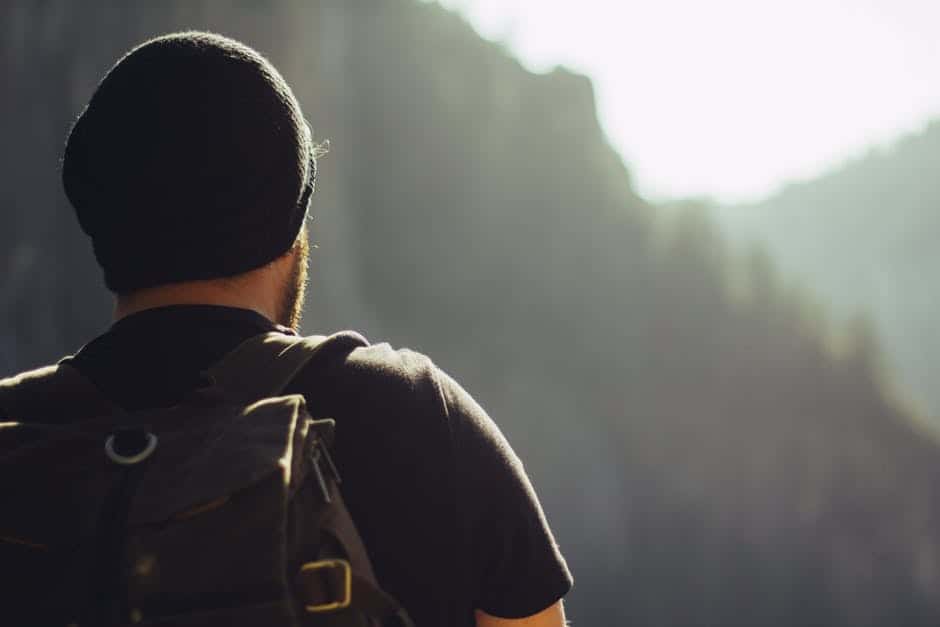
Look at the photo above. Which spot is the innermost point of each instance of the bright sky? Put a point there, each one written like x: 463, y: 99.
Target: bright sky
x: 731, y: 98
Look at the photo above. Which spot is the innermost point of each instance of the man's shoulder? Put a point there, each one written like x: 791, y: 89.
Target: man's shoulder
x: 28, y: 388
x: 382, y: 364
x: 381, y: 374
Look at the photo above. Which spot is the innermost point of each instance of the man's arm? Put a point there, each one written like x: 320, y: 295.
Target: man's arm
x: 553, y: 616
x: 513, y: 566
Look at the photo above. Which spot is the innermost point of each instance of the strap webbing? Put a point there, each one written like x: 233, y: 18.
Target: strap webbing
x: 367, y: 596
x: 265, y: 364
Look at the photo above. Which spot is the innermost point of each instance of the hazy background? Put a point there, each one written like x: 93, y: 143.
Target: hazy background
x: 782, y: 90
x: 720, y: 379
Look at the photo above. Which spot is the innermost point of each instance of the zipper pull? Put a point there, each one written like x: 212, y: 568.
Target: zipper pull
x: 315, y: 461
x: 329, y: 460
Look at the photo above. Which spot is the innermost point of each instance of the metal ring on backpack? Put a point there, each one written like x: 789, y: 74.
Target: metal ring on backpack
x: 128, y: 460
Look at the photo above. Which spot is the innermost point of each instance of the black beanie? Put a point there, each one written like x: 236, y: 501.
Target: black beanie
x: 191, y: 161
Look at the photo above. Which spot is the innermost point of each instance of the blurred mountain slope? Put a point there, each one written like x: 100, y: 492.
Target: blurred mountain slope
x: 864, y: 238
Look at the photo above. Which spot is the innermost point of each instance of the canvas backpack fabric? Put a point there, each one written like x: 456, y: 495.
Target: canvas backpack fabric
x: 222, y: 510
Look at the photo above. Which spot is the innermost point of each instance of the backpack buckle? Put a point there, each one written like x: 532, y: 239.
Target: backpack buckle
x: 332, y: 579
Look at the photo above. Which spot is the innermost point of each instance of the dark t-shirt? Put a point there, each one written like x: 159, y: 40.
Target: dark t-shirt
x: 443, y: 504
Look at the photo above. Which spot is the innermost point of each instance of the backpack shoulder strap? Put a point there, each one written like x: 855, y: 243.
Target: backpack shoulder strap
x: 265, y: 364
x: 53, y: 394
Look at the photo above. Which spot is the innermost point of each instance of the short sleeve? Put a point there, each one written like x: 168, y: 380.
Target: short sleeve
x: 515, y: 566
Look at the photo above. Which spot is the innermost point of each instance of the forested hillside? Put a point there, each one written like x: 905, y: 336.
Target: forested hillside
x: 864, y: 237
x: 704, y: 457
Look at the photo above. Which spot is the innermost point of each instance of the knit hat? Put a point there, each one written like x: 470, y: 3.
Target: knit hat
x: 191, y: 161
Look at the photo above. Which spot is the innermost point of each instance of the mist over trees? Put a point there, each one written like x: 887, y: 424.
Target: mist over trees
x: 703, y: 454
x: 864, y: 235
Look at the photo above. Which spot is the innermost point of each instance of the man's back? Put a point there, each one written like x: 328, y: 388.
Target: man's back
x: 442, y: 503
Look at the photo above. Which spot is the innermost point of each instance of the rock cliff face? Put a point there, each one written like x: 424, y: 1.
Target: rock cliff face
x: 704, y: 458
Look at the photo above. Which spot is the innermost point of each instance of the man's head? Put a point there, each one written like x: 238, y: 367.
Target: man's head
x: 192, y: 163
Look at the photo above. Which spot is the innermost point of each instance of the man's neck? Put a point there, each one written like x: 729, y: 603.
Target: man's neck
x: 196, y: 293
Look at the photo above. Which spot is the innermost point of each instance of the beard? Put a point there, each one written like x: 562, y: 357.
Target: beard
x: 291, y: 308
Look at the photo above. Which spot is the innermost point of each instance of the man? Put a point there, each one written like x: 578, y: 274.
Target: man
x: 191, y: 170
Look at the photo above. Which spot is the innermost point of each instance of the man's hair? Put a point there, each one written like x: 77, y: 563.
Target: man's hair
x: 191, y: 161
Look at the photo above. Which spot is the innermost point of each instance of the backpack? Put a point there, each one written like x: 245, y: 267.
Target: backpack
x: 221, y: 510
